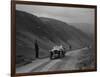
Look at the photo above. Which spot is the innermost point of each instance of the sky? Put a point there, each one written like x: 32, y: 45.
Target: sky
x: 67, y: 14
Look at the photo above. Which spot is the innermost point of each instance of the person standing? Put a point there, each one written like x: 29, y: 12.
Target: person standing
x: 36, y: 49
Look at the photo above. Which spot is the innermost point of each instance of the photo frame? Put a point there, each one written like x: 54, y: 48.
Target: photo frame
x: 52, y: 38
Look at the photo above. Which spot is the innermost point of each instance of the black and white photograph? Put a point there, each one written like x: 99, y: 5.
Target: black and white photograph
x: 54, y: 38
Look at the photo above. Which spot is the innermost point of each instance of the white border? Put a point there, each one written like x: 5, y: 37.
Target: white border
x: 5, y: 52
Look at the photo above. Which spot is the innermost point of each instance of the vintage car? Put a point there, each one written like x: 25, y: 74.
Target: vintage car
x: 57, y: 52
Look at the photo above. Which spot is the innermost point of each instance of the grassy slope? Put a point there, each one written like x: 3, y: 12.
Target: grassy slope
x: 67, y: 33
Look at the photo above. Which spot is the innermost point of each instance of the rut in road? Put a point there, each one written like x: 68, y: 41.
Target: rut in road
x: 46, y: 66
x: 33, y: 65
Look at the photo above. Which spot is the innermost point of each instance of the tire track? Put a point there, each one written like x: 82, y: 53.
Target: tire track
x: 39, y: 68
x: 51, y: 64
x: 27, y: 68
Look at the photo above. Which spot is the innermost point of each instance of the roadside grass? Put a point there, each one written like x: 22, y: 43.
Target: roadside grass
x: 86, y: 59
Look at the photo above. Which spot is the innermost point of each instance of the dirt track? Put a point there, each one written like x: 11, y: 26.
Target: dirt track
x: 69, y: 62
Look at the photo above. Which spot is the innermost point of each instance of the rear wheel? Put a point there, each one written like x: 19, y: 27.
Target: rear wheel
x: 63, y: 54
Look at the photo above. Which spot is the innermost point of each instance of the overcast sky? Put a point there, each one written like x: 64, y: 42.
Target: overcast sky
x: 66, y: 14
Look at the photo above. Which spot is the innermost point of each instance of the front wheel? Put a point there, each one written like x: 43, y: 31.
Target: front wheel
x: 51, y: 55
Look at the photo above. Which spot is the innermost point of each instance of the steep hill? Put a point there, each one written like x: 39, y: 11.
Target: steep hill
x: 48, y: 33
x: 66, y: 33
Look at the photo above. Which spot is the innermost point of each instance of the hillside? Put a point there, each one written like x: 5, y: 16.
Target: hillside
x: 48, y: 33
x: 85, y: 27
x: 67, y: 33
